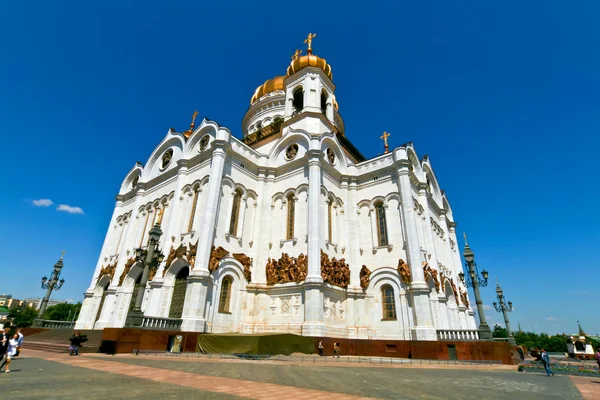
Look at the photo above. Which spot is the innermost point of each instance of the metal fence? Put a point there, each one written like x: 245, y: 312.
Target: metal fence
x: 318, y: 359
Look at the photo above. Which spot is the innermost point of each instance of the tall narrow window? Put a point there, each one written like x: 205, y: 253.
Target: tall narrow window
x: 298, y: 101
x: 291, y: 205
x: 381, y: 225
x: 329, y: 222
x: 388, y: 302
x: 235, y: 213
x: 145, y: 226
x: 193, y: 212
x: 225, y: 297
x: 324, y: 102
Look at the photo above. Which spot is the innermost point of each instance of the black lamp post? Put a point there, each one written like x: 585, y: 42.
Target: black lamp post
x: 51, y: 284
x: 151, y: 257
x: 504, y: 308
x: 475, y: 281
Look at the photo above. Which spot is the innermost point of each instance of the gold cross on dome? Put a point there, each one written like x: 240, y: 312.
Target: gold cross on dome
x: 385, y: 143
x: 194, y: 115
x: 296, y: 54
x: 308, y: 41
x: 63, y: 254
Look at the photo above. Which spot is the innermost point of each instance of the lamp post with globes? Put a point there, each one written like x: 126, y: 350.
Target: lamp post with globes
x: 475, y: 281
x: 504, y: 308
x: 151, y: 257
x: 51, y: 284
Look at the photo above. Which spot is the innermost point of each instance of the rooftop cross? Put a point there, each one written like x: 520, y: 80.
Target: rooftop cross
x: 296, y: 54
x: 308, y: 41
x: 385, y: 143
x: 465, y: 236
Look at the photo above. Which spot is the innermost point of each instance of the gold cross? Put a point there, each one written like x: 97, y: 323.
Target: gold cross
x: 308, y: 41
x: 465, y: 236
x: 385, y: 143
x: 63, y: 254
x: 194, y: 115
x: 296, y: 54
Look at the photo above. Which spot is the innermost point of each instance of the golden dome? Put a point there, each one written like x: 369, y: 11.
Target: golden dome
x: 309, y: 60
x: 269, y: 86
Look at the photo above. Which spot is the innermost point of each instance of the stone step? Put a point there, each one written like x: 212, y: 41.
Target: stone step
x: 56, y: 347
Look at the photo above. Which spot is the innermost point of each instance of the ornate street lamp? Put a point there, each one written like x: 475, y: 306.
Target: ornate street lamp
x: 475, y: 281
x: 52, y: 284
x: 502, y: 307
x: 151, y: 257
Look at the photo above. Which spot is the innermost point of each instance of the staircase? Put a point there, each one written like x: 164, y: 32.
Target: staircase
x: 57, y: 341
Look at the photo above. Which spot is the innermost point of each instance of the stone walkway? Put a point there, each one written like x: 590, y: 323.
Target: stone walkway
x: 42, y: 375
x: 237, y: 387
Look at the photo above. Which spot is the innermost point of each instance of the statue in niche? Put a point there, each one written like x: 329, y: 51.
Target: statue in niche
x: 204, y: 142
x: 330, y: 156
x: 135, y: 181
x: 404, y: 271
x: 246, y: 262
x: 365, y: 277
x: 291, y: 152
x: 166, y: 158
x: 216, y: 255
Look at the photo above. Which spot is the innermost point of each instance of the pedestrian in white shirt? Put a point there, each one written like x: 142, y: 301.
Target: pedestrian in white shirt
x: 12, y: 350
x: 19, y: 342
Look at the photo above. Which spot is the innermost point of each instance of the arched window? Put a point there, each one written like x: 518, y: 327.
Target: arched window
x: 291, y: 205
x: 193, y: 212
x: 225, y: 299
x: 388, y: 302
x: 329, y: 221
x: 298, y: 101
x: 324, y: 102
x: 235, y: 212
x: 381, y: 225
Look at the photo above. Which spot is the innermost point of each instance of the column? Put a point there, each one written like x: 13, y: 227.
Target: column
x: 313, y: 305
x: 200, y: 281
x: 423, y: 328
x: 352, y: 236
x: 262, y: 219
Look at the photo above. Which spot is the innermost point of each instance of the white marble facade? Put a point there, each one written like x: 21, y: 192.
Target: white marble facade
x: 293, y: 167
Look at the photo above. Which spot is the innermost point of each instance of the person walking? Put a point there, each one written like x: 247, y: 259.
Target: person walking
x: 336, y: 349
x: 546, y: 361
x: 598, y: 358
x: 321, y: 348
x: 19, y: 342
x: 4, y: 342
x: 10, y: 352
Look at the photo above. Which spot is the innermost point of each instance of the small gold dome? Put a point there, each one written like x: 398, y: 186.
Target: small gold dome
x: 309, y: 60
x: 269, y: 86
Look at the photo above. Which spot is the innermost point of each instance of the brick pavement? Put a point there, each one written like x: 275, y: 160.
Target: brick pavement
x: 588, y: 387
x: 237, y: 387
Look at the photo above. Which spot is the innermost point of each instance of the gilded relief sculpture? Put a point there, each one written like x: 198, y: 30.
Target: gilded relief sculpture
x: 130, y: 263
x: 404, y: 271
x: 287, y: 269
x: 247, y: 263
x: 186, y: 253
x: 365, y: 277
x: 109, y: 270
x: 429, y: 272
x: 454, y: 290
x: 464, y: 297
x: 335, y: 272
x: 216, y: 255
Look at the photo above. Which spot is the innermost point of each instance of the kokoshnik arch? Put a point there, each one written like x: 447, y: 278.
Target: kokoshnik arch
x: 289, y: 229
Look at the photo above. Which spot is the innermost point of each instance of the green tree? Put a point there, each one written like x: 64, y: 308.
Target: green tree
x: 499, y: 332
x: 23, y: 317
x: 62, y: 312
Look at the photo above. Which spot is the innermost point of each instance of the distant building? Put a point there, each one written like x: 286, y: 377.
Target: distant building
x: 35, y: 303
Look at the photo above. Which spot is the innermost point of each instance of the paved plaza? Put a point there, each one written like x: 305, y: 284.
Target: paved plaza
x: 43, y: 375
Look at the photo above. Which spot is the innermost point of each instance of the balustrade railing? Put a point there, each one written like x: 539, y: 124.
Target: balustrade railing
x: 457, y: 334
x: 52, y: 324
x: 161, y: 323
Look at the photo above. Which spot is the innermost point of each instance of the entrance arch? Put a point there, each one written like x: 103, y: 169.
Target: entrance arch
x: 179, y: 289
x: 100, y: 292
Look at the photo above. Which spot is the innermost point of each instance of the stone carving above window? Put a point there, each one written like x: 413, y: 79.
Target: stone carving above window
x: 464, y: 297
x: 430, y: 272
x: 291, y: 152
x: 109, y: 270
x: 246, y: 262
x: 166, y: 158
x: 404, y: 272
x: 204, y: 142
x: 335, y: 272
x: 130, y: 263
x: 186, y: 253
x: 216, y: 255
x: 287, y: 269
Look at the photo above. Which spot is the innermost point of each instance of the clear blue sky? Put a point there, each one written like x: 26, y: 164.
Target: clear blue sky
x: 503, y: 96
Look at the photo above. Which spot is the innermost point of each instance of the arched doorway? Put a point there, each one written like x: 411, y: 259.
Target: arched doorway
x: 179, y: 289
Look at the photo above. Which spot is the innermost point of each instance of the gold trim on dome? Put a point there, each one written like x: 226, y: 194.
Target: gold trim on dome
x: 269, y: 86
x: 309, y: 61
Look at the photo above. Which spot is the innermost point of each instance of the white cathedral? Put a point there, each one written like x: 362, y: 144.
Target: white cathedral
x: 288, y: 230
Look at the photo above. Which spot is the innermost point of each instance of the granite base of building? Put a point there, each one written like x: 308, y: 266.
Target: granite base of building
x: 130, y: 340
